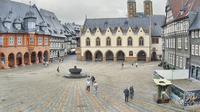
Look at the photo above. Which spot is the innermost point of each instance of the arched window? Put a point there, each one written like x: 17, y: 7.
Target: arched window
x: 88, y: 42
x: 119, y: 41
x: 108, y: 41
x: 141, y: 41
x: 130, y: 41
x: 98, y: 41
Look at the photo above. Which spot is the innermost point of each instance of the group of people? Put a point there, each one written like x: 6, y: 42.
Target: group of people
x: 129, y: 93
x: 136, y: 64
x: 91, y: 81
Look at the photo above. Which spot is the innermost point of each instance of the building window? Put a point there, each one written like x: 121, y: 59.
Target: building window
x: 186, y: 43
x: 11, y: 40
x: 46, y: 41
x: 177, y: 60
x: 196, y: 34
x: 1, y: 41
x: 199, y: 50
x: 39, y: 40
x: 193, y: 50
x: 88, y: 42
x: 31, y: 25
x: 98, y: 41
x: 179, y: 43
x: 19, y: 40
x: 141, y: 41
x: 155, y: 41
x: 196, y: 50
x: 108, y: 41
x: 192, y: 34
x: 181, y: 62
x: 130, y: 41
x: 119, y: 41
x: 130, y: 53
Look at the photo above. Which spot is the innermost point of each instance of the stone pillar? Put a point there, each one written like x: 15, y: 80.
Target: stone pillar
x: 93, y: 58
x: 6, y: 64
x: 23, y: 61
x: 15, y: 62
x: 37, y: 60
x: 29, y: 60
x: 104, y: 59
x: 115, y: 59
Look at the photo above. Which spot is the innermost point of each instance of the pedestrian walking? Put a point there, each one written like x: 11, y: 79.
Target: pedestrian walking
x: 126, y: 94
x: 131, y: 89
x: 92, y: 79
x: 95, y: 87
x: 58, y: 69
x: 88, y: 85
x: 136, y: 64
x: 122, y: 65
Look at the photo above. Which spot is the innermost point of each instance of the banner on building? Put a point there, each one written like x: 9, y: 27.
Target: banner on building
x: 1, y: 41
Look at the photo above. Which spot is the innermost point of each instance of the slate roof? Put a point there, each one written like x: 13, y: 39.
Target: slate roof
x: 196, y: 23
x: 124, y: 23
x: 15, y: 12
x: 54, y: 26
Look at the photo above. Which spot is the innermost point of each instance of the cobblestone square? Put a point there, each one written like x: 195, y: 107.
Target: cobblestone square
x: 41, y: 89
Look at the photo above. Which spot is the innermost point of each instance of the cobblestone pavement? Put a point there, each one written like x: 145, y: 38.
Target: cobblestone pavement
x: 41, y: 89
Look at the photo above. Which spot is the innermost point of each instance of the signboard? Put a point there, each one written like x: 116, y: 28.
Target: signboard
x: 1, y: 41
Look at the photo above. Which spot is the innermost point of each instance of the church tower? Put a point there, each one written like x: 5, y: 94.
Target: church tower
x: 148, y: 8
x: 131, y: 7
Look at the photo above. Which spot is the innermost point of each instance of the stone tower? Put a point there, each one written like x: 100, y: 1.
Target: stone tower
x: 131, y: 7
x: 148, y: 8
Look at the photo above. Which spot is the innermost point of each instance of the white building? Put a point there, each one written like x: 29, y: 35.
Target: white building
x: 127, y: 39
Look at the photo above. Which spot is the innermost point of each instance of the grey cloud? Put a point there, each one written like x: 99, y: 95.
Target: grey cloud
x: 76, y: 10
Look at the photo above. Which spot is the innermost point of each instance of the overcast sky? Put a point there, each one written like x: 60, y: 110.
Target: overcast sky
x: 76, y: 10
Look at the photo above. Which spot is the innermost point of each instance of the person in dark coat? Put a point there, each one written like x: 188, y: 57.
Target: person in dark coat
x: 122, y: 65
x: 126, y: 94
x: 131, y: 89
x: 92, y: 79
x: 58, y: 69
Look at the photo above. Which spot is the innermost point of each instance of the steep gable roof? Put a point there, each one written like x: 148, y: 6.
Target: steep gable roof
x: 125, y: 23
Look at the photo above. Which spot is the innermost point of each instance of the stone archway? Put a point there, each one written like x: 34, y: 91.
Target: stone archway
x: 98, y: 56
x: 109, y: 56
x: 40, y: 57
x: 26, y: 58
x: 33, y: 57
x: 46, y: 56
x: 88, y: 56
x: 141, y: 56
x: 120, y: 56
x: 2, y: 58
x: 11, y: 60
x: 19, y: 59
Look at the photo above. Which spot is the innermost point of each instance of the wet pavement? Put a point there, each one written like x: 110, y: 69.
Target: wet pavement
x: 41, y: 89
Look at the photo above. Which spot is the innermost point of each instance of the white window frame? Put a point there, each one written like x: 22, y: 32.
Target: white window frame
x: 19, y: 40
x: 46, y: 41
x: 32, y: 41
x: 179, y: 43
x: 40, y: 41
x: 193, y: 50
x: 192, y: 34
x: 186, y: 43
x: 11, y: 40
x: 196, y: 50
x: 181, y: 62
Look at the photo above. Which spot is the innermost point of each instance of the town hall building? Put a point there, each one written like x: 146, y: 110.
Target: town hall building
x: 136, y: 38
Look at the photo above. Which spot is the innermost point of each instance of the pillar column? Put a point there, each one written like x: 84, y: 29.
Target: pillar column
x: 6, y: 64
x: 37, y: 60
x: 29, y: 61
x: 93, y: 58
x: 115, y: 59
x: 23, y: 61
x: 15, y: 62
x: 104, y: 59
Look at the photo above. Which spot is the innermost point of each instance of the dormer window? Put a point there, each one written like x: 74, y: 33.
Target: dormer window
x: 31, y: 25
x: 7, y: 25
x: 18, y: 26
